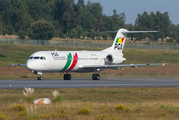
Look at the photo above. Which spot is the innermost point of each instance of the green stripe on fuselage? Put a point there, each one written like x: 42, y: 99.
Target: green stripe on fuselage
x: 69, y: 60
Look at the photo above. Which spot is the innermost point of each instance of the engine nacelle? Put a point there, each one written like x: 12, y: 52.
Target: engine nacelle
x: 109, y: 59
x: 114, y: 59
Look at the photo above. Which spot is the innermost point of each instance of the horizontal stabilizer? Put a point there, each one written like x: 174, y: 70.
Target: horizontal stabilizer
x: 109, y: 32
x: 127, y: 32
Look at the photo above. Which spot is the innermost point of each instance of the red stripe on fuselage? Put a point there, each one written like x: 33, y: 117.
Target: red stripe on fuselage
x: 75, y: 60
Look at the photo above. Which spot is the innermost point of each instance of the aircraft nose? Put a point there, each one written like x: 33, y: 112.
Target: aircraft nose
x: 29, y: 65
x: 124, y: 59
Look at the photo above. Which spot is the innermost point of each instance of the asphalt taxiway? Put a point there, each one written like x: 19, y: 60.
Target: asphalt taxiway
x: 88, y: 83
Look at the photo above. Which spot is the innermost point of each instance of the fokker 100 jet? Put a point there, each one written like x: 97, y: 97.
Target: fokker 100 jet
x: 82, y: 61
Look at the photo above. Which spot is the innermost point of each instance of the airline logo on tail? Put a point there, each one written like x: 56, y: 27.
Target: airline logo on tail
x: 119, y: 43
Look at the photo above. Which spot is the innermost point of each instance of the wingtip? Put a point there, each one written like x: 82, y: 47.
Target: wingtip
x: 165, y: 64
x: 12, y: 64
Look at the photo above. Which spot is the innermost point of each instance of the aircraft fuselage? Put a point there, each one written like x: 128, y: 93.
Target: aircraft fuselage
x: 66, y: 61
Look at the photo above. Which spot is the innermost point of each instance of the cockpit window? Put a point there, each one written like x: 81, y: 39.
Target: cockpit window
x: 36, y: 57
x: 42, y: 58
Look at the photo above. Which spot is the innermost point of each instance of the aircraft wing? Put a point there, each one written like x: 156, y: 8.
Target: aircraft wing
x: 17, y: 64
x: 118, y: 66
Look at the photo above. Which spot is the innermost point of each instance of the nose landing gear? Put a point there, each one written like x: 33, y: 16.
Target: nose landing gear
x: 39, y: 78
x: 38, y: 73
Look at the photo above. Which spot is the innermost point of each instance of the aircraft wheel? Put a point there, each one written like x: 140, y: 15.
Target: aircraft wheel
x: 65, y: 77
x: 39, y: 78
x: 97, y: 77
x: 68, y: 77
x: 93, y: 77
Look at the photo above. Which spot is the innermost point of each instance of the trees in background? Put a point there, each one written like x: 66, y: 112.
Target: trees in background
x: 159, y: 22
x: 22, y: 34
x: 1, y: 28
x: 41, y: 30
x: 67, y: 18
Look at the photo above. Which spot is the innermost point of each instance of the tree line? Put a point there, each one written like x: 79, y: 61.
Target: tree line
x: 44, y: 19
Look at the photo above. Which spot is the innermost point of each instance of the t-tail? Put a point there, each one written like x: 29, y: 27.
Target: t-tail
x: 119, y: 41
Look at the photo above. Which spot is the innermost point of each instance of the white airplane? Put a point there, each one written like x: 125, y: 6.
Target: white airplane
x: 82, y: 61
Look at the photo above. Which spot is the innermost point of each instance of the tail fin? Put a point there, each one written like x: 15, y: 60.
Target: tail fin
x: 119, y: 41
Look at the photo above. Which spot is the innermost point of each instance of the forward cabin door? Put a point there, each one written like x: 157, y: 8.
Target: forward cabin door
x: 50, y: 66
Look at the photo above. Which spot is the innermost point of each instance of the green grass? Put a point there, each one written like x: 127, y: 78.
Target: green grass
x: 126, y: 103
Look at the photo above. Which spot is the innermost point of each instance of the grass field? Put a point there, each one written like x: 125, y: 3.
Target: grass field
x: 100, y: 104
x: 20, y: 54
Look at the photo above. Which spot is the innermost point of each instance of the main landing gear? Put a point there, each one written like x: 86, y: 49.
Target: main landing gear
x: 96, y: 77
x: 67, y: 77
x: 39, y: 77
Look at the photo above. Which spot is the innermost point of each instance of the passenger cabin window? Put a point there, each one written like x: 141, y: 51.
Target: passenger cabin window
x: 36, y: 57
